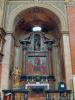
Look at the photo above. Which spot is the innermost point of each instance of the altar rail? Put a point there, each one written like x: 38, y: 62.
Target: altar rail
x: 49, y: 94
x: 11, y: 94
x: 58, y: 95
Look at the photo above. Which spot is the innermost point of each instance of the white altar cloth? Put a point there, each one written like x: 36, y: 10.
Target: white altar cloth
x: 46, y: 85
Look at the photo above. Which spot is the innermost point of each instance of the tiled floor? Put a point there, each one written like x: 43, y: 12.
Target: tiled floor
x: 36, y: 97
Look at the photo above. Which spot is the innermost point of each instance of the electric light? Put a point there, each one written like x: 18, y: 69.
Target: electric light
x: 36, y: 29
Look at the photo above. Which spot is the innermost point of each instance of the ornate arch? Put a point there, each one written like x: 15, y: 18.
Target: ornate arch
x: 54, y: 9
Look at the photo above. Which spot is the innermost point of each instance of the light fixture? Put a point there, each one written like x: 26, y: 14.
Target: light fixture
x: 62, y: 86
x: 36, y: 29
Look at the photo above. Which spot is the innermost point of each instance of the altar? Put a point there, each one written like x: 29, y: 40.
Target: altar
x: 37, y: 86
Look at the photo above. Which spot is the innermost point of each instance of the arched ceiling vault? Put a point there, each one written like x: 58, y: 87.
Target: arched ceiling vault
x: 37, y: 16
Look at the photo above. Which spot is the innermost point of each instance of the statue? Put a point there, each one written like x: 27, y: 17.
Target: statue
x: 16, y: 75
x: 37, y: 42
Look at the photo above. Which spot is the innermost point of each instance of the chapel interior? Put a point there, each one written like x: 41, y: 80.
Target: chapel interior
x: 38, y: 57
x: 37, y: 49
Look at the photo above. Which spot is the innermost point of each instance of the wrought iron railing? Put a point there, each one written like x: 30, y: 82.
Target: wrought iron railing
x: 19, y: 94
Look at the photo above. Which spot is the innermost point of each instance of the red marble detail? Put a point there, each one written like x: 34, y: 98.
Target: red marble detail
x: 71, y: 21
x: 7, y: 97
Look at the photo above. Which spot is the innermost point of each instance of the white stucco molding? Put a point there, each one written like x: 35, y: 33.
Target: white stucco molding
x: 9, y: 27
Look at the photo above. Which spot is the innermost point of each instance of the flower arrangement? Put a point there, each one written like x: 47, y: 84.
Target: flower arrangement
x: 37, y: 78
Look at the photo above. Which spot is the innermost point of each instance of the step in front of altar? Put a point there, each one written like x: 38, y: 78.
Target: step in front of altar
x: 35, y: 96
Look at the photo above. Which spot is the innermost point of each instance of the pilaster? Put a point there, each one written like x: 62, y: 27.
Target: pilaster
x: 56, y: 64
x: 67, y: 60
x: 18, y: 58
x: 6, y: 63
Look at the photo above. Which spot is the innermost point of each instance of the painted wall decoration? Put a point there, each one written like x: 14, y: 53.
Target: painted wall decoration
x: 36, y: 63
x: 16, y: 76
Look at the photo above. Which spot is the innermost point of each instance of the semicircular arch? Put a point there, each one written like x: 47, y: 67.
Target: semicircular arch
x: 19, y: 9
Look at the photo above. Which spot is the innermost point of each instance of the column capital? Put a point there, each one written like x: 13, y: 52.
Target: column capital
x: 2, y: 32
x: 64, y: 32
x: 10, y: 34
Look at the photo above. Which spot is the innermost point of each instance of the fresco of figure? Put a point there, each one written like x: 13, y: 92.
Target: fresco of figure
x: 37, y: 64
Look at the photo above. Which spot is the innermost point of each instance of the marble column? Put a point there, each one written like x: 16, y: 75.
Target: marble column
x: 6, y: 63
x: 18, y: 57
x: 24, y: 63
x: 50, y: 61
x: 67, y: 60
x: 17, y: 66
x: 56, y: 64
x: 21, y: 58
